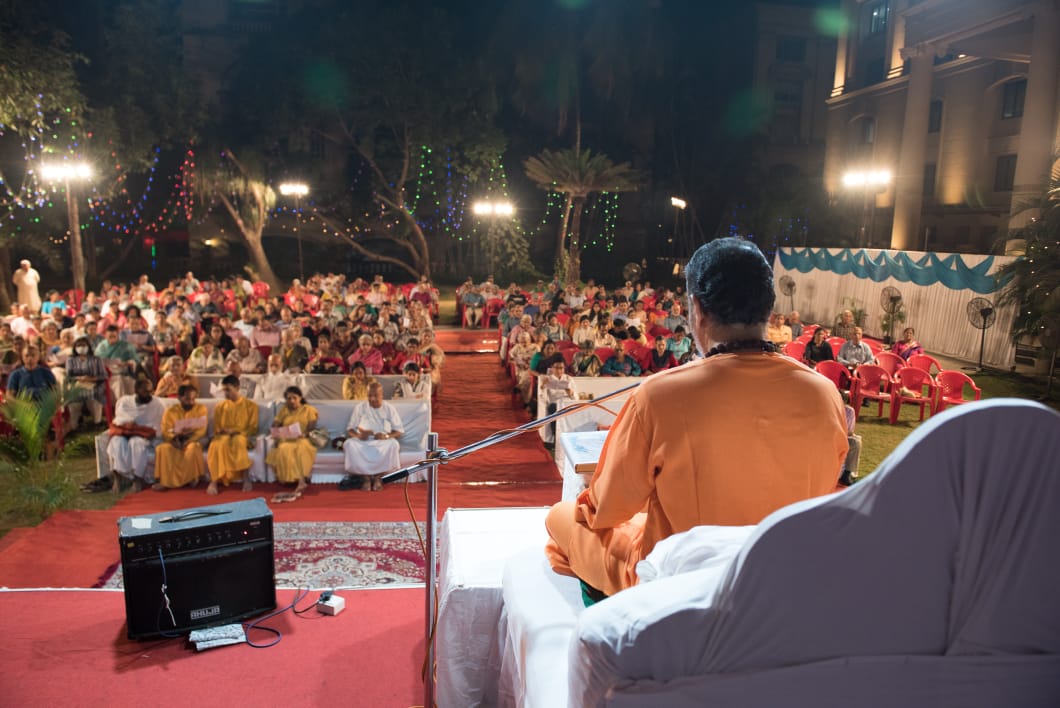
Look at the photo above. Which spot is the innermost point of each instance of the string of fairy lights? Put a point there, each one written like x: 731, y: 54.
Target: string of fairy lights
x: 440, y: 196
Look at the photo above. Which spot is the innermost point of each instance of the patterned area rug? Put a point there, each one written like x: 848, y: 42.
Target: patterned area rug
x: 335, y: 554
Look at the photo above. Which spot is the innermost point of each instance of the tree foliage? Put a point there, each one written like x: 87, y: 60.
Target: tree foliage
x: 1033, y: 281
x: 576, y: 174
x: 43, y: 484
x: 376, y: 103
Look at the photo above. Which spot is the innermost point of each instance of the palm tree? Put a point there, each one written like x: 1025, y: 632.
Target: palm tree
x: 577, y: 174
x: 40, y: 478
x: 1033, y: 281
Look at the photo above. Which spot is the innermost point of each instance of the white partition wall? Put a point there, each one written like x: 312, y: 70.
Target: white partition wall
x: 936, y: 289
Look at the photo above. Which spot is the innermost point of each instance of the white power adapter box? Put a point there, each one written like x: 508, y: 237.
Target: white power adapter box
x: 331, y: 606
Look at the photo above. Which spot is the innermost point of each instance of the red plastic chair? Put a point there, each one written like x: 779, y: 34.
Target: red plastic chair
x: 921, y: 388
x: 640, y: 354
x: 605, y: 353
x: 924, y: 362
x: 836, y: 373
x: 795, y: 349
x: 951, y: 389
x: 260, y: 290
x: 808, y: 330
x: 836, y: 344
x: 874, y: 344
x: 871, y: 383
x: 891, y: 362
x: 492, y: 312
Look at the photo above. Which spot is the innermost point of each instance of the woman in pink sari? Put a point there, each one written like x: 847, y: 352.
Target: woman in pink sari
x: 907, y: 346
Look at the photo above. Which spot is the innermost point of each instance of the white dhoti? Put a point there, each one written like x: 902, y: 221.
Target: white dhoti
x: 128, y: 456
x: 371, y: 457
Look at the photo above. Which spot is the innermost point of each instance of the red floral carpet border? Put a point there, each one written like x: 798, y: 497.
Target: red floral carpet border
x: 335, y: 554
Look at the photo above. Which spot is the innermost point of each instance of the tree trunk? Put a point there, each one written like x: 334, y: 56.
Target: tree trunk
x: 261, y: 265
x: 561, y: 239
x: 574, y: 257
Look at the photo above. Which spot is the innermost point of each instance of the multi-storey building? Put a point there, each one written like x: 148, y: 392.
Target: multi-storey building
x: 957, y: 101
x: 792, y: 67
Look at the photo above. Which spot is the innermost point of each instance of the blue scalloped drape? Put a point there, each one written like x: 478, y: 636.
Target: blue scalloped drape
x: 929, y: 269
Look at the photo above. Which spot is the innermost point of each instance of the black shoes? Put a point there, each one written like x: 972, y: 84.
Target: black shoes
x: 350, y: 482
x: 847, y: 478
x: 96, y: 486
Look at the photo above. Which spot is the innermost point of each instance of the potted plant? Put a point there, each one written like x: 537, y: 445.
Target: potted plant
x: 889, y: 322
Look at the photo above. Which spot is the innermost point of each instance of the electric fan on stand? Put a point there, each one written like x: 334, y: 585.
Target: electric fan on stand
x: 891, y: 302
x: 981, y: 315
x: 787, y: 287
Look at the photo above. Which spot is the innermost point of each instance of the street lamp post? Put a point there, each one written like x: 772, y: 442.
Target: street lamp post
x: 869, y: 183
x: 493, y: 211
x: 67, y: 173
x: 297, y: 190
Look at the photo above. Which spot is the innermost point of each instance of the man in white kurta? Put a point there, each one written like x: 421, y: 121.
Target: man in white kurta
x: 26, y: 280
x: 128, y: 453
x: 372, y: 448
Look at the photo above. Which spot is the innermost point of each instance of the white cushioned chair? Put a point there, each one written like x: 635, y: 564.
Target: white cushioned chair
x: 933, y: 582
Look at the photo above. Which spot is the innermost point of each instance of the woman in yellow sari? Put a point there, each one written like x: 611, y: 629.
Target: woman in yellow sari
x: 293, y: 457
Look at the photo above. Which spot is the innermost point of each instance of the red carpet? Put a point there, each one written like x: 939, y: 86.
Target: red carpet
x: 69, y: 648
x: 467, y: 341
x: 74, y: 548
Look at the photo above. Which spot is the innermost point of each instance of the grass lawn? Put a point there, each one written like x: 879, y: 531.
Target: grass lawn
x: 13, y: 512
x: 879, y: 437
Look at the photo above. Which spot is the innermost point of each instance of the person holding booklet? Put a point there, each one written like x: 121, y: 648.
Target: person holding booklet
x: 178, y: 460
x: 293, y: 455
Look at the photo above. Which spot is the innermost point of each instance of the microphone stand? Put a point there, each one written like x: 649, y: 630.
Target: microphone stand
x: 437, y: 456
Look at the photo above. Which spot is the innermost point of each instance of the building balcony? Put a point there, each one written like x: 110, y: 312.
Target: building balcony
x: 996, y: 29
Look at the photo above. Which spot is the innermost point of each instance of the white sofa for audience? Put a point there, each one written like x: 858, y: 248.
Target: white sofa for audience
x: 334, y: 415
x: 932, y: 582
x: 259, y: 472
x: 315, y: 387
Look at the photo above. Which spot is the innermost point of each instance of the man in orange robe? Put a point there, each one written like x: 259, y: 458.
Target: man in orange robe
x: 724, y: 440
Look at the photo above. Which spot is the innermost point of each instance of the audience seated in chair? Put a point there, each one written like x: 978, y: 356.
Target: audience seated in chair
x: 134, y: 432
x: 371, y: 448
x: 178, y: 460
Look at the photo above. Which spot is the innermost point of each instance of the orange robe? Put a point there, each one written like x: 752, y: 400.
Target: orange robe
x: 227, y: 455
x: 175, y: 467
x: 720, y: 441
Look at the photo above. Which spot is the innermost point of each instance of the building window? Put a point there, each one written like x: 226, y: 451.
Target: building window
x: 929, y: 179
x: 791, y: 49
x: 868, y: 131
x: 878, y: 18
x: 874, y: 71
x: 935, y: 117
x: 1012, y: 96
x: 1005, y: 174
x: 787, y: 112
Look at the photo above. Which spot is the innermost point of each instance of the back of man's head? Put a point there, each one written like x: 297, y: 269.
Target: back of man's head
x: 732, y: 281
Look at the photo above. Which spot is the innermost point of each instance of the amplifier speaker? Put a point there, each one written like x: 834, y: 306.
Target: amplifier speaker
x: 216, y: 564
